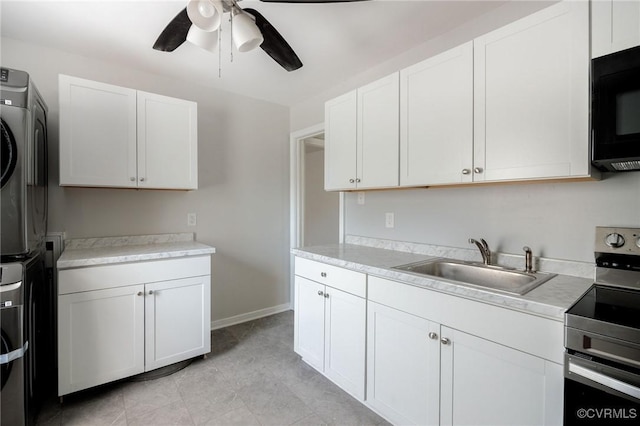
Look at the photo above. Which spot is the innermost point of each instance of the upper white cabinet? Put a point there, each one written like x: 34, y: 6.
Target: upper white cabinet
x: 167, y: 142
x: 511, y: 105
x: 531, y: 96
x: 340, y: 142
x: 615, y: 26
x: 361, y: 137
x: 436, y: 119
x: 118, y: 137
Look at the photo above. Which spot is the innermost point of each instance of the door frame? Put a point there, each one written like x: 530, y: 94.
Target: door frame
x: 297, y: 194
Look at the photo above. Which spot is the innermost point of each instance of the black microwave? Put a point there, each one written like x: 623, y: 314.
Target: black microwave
x: 616, y: 111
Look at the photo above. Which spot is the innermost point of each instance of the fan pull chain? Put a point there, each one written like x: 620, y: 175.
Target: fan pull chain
x: 220, y: 52
x: 231, y: 38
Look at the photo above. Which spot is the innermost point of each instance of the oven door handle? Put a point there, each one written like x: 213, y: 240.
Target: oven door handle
x: 605, y: 380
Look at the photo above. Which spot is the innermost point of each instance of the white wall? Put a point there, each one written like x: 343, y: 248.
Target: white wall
x: 556, y: 220
x: 242, y: 200
x: 321, y: 208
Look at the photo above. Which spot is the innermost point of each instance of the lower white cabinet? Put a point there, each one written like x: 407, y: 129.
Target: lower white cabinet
x: 100, y: 337
x: 485, y: 383
x: 116, y: 321
x: 330, y: 324
x: 403, y: 366
x: 431, y: 358
x: 309, y: 322
x: 176, y: 324
x: 422, y: 372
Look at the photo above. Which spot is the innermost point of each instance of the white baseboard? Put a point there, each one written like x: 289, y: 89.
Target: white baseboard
x: 249, y: 316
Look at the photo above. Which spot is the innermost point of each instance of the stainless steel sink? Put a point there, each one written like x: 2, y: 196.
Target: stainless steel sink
x: 478, y: 275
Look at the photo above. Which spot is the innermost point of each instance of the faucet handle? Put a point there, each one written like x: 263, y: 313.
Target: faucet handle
x: 528, y: 259
x: 484, y: 243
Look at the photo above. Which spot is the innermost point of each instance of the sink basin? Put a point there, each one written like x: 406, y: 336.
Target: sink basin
x: 478, y: 275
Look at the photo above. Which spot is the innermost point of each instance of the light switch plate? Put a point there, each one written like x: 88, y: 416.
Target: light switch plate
x: 389, y: 220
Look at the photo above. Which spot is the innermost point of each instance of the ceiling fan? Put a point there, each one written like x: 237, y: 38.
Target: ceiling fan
x: 200, y: 20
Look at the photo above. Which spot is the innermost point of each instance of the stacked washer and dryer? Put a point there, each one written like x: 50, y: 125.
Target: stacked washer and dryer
x: 25, y: 297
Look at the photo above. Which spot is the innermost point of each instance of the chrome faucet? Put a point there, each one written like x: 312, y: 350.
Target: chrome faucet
x: 484, y: 250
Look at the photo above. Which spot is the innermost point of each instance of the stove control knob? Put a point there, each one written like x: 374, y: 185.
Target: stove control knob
x: 614, y: 240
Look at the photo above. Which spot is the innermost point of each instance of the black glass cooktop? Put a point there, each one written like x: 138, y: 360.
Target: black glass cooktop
x: 609, y: 304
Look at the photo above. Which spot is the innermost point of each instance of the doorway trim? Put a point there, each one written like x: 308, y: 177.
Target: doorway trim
x: 296, y: 196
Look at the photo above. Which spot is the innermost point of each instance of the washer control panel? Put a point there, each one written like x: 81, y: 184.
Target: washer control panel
x: 618, y: 240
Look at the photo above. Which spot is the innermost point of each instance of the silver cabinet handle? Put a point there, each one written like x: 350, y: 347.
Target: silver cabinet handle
x: 478, y: 170
x: 358, y: 180
x: 140, y: 293
x: 433, y: 336
x: 466, y: 171
x: 132, y: 179
x: 141, y: 179
x: 445, y: 341
x: 320, y: 293
x: 150, y: 291
x: 323, y: 274
x: 326, y: 295
x: 351, y: 180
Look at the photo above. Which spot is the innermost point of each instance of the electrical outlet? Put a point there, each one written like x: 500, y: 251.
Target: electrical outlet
x: 361, y: 198
x: 389, y: 220
x: 192, y: 219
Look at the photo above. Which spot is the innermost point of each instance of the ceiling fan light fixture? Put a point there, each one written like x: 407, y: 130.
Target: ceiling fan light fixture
x: 205, y: 14
x: 207, y: 40
x: 244, y: 31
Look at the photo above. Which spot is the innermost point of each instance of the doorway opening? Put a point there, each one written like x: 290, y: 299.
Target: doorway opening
x: 320, y: 209
x: 317, y: 216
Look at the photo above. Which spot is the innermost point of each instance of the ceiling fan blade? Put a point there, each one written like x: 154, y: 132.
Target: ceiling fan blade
x: 174, y: 34
x: 274, y: 44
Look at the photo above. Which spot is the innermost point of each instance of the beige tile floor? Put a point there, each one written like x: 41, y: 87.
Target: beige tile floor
x: 251, y: 377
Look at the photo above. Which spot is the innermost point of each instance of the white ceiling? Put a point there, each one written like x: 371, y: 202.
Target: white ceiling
x: 332, y: 40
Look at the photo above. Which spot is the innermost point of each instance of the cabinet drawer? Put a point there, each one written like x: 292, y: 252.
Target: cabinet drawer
x: 119, y: 275
x: 343, y: 279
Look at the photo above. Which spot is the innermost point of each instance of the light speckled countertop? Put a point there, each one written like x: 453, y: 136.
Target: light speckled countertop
x: 551, y: 299
x: 110, y: 250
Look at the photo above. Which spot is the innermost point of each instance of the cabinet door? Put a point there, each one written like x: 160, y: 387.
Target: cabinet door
x: 378, y: 134
x: 436, y: 116
x: 97, y: 133
x: 531, y: 85
x: 177, y: 320
x: 167, y: 142
x: 100, y: 337
x: 309, y: 322
x: 615, y: 26
x: 340, y: 142
x: 484, y: 383
x: 345, y: 333
x: 403, y: 366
